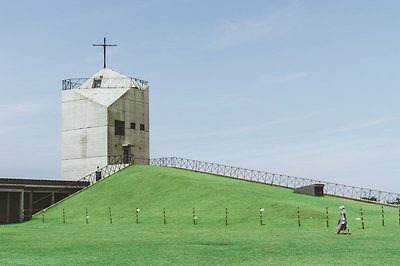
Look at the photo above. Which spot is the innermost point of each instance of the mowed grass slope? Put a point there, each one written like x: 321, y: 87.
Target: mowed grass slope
x: 243, y: 242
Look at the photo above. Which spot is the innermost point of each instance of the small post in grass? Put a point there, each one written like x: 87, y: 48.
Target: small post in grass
x: 110, y: 213
x: 327, y: 217
x: 63, y: 216
x: 298, y: 216
x: 194, y: 217
x: 226, y: 216
x: 137, y: 215
x: 362, y: 218
x: 261, y: 216
x: 165, y: 218
x: 43, y: 216
x: 399, y: 214
x: 383, y: 217
x: 87, y: 216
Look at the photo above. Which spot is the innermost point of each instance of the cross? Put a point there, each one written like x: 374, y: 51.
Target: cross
x: 104, y: 50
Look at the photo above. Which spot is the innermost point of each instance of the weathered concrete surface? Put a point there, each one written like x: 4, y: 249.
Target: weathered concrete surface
x: 135, y: 106
x: 88, y: 124
x: 312, y: 190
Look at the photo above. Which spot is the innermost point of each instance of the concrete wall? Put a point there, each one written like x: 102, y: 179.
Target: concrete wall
x: 132, y: 107
x: 312, y: 190
x: 88, y: 127
x: 83, y: 137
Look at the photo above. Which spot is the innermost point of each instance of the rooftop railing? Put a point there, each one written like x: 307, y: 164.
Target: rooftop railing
x: 105, y: 83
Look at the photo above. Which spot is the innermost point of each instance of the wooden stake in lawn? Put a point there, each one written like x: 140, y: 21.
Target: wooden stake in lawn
x: 43, y: 216
x: 226, y: 216
x: 362, y: 218
x: 137, y: 215
x: 261, y: 216
x: 87, y: 216
x: 298, y: 216
x: 165, y: 219
x: 63, y: 216
x: 327, y: 217
x: 110, y: 213
x: 194, y: 217
x: 383, y: 217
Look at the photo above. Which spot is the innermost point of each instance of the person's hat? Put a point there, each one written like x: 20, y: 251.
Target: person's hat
x: 342, y: 207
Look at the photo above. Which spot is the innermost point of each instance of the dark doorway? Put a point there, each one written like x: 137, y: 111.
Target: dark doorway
x: 10, y: 207
x: 126, y: 155
x: 3, y: 207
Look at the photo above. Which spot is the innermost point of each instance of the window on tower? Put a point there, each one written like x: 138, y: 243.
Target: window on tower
x: 142, y: 127
x: 133, y: 125
x: 96, y: 83
x: 120, y: 128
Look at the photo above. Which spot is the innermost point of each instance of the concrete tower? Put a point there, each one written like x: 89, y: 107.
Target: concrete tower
x: 103, y: 116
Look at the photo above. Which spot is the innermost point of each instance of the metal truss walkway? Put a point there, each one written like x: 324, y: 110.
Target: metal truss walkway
x: 338, y: 190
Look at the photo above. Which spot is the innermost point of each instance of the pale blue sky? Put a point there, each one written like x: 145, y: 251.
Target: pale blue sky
x: 307, y: 88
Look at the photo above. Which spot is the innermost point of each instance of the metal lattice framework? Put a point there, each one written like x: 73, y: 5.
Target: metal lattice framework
x: 115, y: 164
x: 76, y: 83
x: 281, y: 180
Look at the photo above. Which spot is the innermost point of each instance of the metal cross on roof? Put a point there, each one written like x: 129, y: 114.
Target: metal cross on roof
x: 104, y: 50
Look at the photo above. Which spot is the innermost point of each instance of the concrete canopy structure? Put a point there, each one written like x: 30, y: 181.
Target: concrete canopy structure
x: 103, y: 116
x: 21, y: 198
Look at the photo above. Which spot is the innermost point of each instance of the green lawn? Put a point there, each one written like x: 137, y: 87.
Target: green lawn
x: 210, y: 242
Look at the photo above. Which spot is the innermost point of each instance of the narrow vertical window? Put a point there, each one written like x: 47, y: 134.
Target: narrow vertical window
x: 142, y: 127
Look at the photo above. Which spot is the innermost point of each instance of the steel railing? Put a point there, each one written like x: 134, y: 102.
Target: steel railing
x: 115, y: 164
x: 90, y: 83
x: 281, y: 180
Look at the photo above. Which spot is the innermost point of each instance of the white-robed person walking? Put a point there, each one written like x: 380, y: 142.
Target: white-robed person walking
x: 342, y: 224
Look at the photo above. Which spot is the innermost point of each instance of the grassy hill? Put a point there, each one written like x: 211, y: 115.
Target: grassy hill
x: 243, y: 242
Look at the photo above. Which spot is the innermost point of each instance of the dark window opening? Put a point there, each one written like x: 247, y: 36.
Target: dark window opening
x: 142, y: 127
x: 119, y: 128
x: 133, y: 125
x: 96, y: 83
